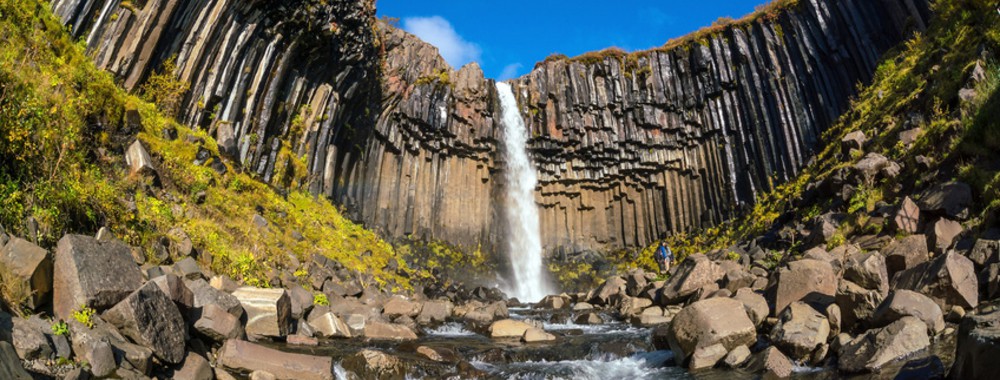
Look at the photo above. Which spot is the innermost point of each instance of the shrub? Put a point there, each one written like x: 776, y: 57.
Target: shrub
x: 164, y: 89
x: 60, y: 328
x: 85, y: 316
x: 14, y: 290
x: 320, y: 299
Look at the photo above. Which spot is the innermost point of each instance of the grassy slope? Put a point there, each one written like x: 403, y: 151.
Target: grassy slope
x: 62, y: 138
x: 923, y: 76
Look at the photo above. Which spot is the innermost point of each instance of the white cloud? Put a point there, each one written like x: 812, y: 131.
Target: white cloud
x: 438, y: 32
x: 510, y: 71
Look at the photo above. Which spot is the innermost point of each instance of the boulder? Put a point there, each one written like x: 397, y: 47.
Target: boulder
x: 705, y: 323
x: 375, y: 365
x: 438, y: 354
x: 695, y: 272
x: 876, y: 348
x: 985, y: 252
x: 874, y: 166
x: 905, y: 254
x: 150, y: 319
x: 399, y: 306
x: 736, y: 357
x: 101, y: 357
x: 32, y: 264
x: 635, y: 282
x: 588, y: 319
x: 553, y: 302
x: 754, y: 304
x: 772, y: 364
x: 268, y: 311
x: 388, y: 331
x: 225, y: 138
x: 175, y: 289
x: 612, y: 286
x: 868, y: 271
x: 800, y: 331
x: 194, y: 367
x: 435, y: 312
x: 29, y: 340
x: 951, y: 199
x: 218, y: 324
x: 329, y: 325
x: 942, y: 233
x: 582, y: 306
x: 224, y: 283
x: 301, y: 300
x: 138, y: 159
x: 807, y: 280
x: 92, y: 273
x: 907, y: 218
x: 949, y: 279
x: 978, y: 347
x: 508, y: 328
x: 204, y: 294
x: 903, y: 303
x: 856, y: 304
x: 534, y: 334
x: 242, y: 356
x: 853, y: 141
x: 188, y: 269
x: 707, y: 357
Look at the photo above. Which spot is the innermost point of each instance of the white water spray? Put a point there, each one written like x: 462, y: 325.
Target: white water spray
x: 524, y: 241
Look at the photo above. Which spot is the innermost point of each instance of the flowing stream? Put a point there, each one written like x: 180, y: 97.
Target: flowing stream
x: 524, y: 242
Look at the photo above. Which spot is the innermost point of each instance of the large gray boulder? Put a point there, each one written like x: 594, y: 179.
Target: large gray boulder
x: 218, y: 324
x: 907, y: 218
x: 800, y: 331
x: 856, y: 303
x: 812, y: 281
x: 32, y: 264
x: 268, y: 311
x: 614, y: 285
x: 92, y: 273
x: 10, y: 365
x: 951, y: 199
x: 694, y: 273
x: 329, y: 325
x: 876, y: 348
x: 150, y: 318
x: 708, y: 322
x: 949, y: 279
x: 388, y: 331
x: 398, y: 306
x: 246, y: 357
x: 754, y: 304
x: 978, y: 350
x: 942, y: 233
x: 903, y: 303
x: 905, y: 254
x: 205, y: 294
x: 868, y: 271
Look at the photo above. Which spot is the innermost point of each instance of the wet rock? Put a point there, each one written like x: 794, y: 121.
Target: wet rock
x: 589, y: 319
x: 508, y: 328
x: 695, y: 272
x: 951, y: 199
x: 707, y: 357
x: 388, y: 331
x: 907, y: 218
x: 92, y: 273
x: 268, y: 311
x: 705, y: 323
x: 949, y: 279
x: 150, y: 318
x: 194, y: 367
x: 438, y: 354
x: 800, y: 331
x: 905, y: 254
x: 32, y: 264
x: 553, y: 302
x: 246, y: 357
x: 772, y: 364
x: 978, y: 347
x: 868, y: 271
x: 582, y: 306
x: 534, y: 334
x: 398, y: 306
x: 811, y: 281
x: 614, y: 285
x: 372, y: 364
x: 138, y: 159
x: 903, y: 303
x: 329, y: 325
x: 435, y: 312
x: 942, y: 233
x: 218, y: 324
x: 737, y: 357
x: 922, y: 368
x: 876, y: 348
x: 754, y: 304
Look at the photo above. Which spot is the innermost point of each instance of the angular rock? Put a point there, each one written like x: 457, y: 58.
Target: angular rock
x: 553, y: 302
x: 32, y: 264
x: 949, y: 279
x: 612, y: 286
x: 978, y: 347
x: 807, y: 280
x: 29, y: 341
x: 376, y: 365
x: 435, y: 312
x: 869, y: 271
x: 856, y: 304
x: 226, y: 140
x: 268, y: 311
x: 901, y: 303
x: 737, y: 357
x: 705, y: 323
x: 695, y: 272
x: 754, y: 304
x: 907, y: 218
x: 876, y: 348
x: 224, y: 283
x: 534, y: 335
x: 635, y: 282
x: 707, y: 357
x: 246, y: 357
x: 942, y: 233
x: 101, y: 358
x: 438, y: 354
x: 176, y: 290
x: 218, y: 324
x: 772, y: 364
x: 800, y: 331
x: 853, y: 141
x: 139, y: 160
x: 150, y: 318
x: 588, y: 319
x: 205, y: 294
x: 188, y: 269
x: 329, y: 325
x: 874, y: 166
x: 509, y: 328
x: 398, y: 306
x: 388, y: 331
x: 951, y: 199
x: 91, y: 273
x: 301, y: 300
x: 195, y: 367
x: 905, y: 254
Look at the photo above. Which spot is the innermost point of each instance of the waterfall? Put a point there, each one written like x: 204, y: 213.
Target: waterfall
x: 520, y: 213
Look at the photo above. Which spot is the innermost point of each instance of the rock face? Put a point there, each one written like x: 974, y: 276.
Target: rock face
x: 705, y: 323
x: 664, y: 140
x: 92, y: 273
x: 151, y: 319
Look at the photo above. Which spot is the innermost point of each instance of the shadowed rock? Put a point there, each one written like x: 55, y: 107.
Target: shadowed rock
x: 873, y: 350
x: 949, y: 279
x: 903, y: 303
x: 32, y: 264
x: 151, y: 319
x: 695, y: 272
x: 978, y: 347
x: 806, y: 280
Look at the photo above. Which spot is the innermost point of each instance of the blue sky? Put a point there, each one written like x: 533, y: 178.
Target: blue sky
x: 508, y: 37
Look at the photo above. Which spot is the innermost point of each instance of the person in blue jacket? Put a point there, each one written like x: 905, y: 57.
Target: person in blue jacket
x: 664, y: 257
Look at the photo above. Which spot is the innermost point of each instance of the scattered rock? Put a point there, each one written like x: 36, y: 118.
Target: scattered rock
x: 329, y: 325
x: 811, y: 281
x: 188, y: 269
x: 438, y: 354
x: 138, y: 160
x: 978, y: 347
x: 949, y: 279
x: 903, y: 303
x: 695, y: 272
x: 800, y: 330
x: 435, y: 312
x: 372, y: 364
x: 707, y: 357
x: 176, y: 290
x: 907, y: 219
x: 871, y: 351
x: 150, y: 318
x: 874, y: 166
x: 268, y: 311
x: 218, y: 324
x: 509, y: 328
x: 941, y: 234
x: 853, y: 141
x: 736, y: 357
x: 194, y: 367
x: 553, y: 302
x: 905, y: 254
x: 951, y: 199
x: 388, y: 331
x: 582, y: 306
x: 533, y: 335
x: 242, y: 356
x: 705, y: 323
x: 92, y: 273
x: 101, y: 358
x: 32, y: 264
x: 612, y: 286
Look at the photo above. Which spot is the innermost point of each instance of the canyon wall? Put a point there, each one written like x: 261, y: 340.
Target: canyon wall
x: 628, y: 147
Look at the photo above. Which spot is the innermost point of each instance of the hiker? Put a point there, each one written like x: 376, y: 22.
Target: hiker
x: 661, y: 257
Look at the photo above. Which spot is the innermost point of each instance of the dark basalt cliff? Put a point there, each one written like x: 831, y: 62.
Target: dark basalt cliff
x: 628, y: 148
